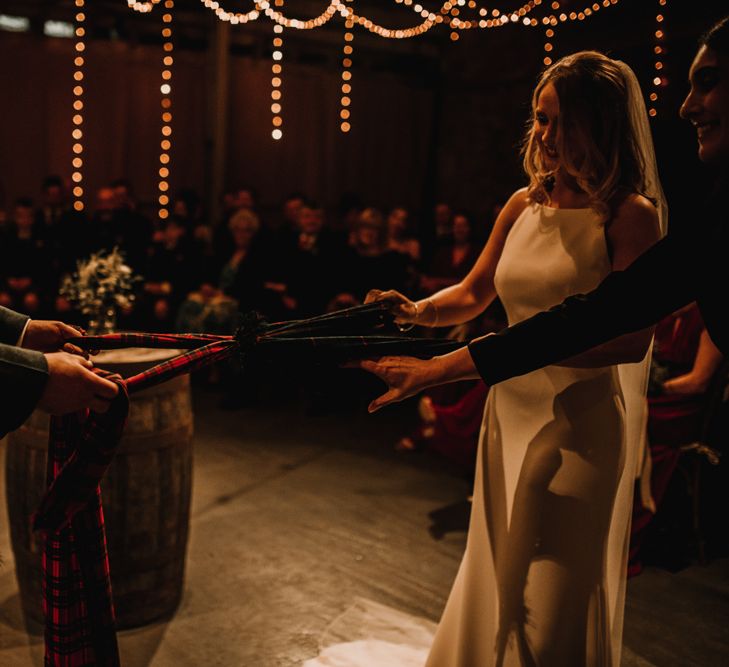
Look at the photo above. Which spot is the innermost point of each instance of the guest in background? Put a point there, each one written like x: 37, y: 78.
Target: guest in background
x: 369, y: 262
x: 399, y: 238
x: 454, y: 259
x: 173, y: 271
x: 66, y: 238
x: 237, y: 285
x: 685, y: 360
x: 312, y: 270
x: 23, y: 262
x: 131, y: 230
x: 442, y: 222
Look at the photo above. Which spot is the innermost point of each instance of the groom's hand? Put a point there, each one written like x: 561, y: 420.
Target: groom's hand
x: 51, y: 336
x: 404, y: 376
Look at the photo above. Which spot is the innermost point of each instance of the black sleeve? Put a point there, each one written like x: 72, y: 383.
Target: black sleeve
x: 11, y: 325
x: 659, y: 282
x: 23, y: 377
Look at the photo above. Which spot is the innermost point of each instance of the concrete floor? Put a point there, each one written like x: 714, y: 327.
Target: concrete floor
x: 295, y: 517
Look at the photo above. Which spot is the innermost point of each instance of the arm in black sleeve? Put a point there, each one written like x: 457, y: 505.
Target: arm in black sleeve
x: 23, y: 377
x: 11, y: 325
x: 654, y: 286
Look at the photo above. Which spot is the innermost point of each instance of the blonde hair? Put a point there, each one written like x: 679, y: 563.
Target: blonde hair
x: 244, y: 217
x: 597, y: 145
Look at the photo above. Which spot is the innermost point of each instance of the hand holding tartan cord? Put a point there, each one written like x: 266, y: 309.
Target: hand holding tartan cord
x: 77, y: 598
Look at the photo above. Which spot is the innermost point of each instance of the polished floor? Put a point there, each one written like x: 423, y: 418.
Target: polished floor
x: 295, y: 517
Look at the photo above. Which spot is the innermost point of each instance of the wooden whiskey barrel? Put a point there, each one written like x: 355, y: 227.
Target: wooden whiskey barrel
x: 146, y: 496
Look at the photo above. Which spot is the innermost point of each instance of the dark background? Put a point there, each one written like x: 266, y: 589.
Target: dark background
x: 432, y: 119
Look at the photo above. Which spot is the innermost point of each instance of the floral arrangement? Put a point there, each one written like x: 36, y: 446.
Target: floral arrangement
x: 101, y: 283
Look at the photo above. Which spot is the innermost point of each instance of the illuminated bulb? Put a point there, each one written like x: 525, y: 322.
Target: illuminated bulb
x: 277, y: 134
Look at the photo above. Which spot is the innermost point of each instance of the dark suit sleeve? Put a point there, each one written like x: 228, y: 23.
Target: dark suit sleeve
x: 659, y: 282
x: 11, y: 325
x: 23, y: 377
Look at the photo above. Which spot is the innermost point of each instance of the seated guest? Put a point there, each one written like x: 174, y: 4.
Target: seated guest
x: 173, y: 270
x: 23, y: 262
x: 237, y: 285
x: 312, y: 268
x: 65, y: 233
x: 685, y: 361
x: 454, y: 259
x: 398, y: 237
x: 133, y: 229
x: 368, y: 262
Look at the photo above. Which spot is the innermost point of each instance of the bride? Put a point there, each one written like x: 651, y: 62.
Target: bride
x: 542, y: 581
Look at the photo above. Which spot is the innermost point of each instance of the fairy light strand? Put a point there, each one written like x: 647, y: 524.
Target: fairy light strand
x: 659, y: 51
x: 77, y: 162
x: 166, y: 112
x: 345, y: 100
x: 276, y: 78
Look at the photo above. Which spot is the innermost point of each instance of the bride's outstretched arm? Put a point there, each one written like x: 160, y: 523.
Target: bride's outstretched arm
x: 469, y: 298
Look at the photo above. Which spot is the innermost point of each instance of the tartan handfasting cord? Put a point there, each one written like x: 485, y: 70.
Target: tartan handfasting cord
x: 77, y: 596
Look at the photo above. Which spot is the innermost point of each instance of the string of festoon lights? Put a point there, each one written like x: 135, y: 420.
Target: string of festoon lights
x: 659, y: 79
x: 451, y: 13
x: 77, y: 162
x: 166, y: 113
x: 549, y: 41
x: 345, y: 101
x: 276, y: 78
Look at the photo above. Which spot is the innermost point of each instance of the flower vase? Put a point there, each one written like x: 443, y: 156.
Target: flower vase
x: 102, y: 321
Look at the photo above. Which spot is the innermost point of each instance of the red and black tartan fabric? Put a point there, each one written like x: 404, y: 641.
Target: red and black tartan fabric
x: 77, y: 595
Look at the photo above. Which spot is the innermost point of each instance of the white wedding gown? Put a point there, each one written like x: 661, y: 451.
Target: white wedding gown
x: 542, y: 581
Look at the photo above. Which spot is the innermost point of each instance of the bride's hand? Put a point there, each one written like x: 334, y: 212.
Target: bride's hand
x: 403, y: 309
x: 404, y: 376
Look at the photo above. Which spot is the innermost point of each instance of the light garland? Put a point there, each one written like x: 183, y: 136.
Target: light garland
x: 277, y: 70
x: 77, y: 134
x: 166, y: 103
x: 659, y: 52
x: 347, y: 49
x: 549, y: 41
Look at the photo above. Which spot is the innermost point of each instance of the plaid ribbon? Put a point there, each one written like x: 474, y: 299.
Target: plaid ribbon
x: 77, y: 596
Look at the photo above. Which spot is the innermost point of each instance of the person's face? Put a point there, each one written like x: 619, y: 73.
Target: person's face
x: 53, y: 195
x: 706, y: 106
x: 368, y: 235
x: 309, y: 221
x: 105, y: 199
x: 461, y: 229
x: 546, y: 126
x: 23, y: 217
x: 291, y: 209
x: 180, y: 208
x: 173, y: 232
x: 397, y: 220
x: 242, y: 234
x: 442, y: 214
x: 244, y: 199
x: 122, y: 199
